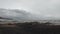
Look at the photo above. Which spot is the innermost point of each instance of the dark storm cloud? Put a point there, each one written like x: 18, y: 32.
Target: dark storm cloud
x: 19, y: 15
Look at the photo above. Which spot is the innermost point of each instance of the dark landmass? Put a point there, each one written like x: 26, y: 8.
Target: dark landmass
x: 29, y: 28
x: 5, y: 18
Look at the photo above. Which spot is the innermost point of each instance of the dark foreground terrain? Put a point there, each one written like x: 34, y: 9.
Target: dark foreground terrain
x: 30, y: 28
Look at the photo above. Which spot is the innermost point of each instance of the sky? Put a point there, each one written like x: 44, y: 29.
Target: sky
x: 46, y: 8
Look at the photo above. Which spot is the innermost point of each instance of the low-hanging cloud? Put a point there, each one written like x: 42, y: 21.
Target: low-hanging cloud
x: 19, y: 15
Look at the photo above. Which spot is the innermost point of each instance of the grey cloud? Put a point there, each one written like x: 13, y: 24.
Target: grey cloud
x: 19, y: 15
x: 40, y: 8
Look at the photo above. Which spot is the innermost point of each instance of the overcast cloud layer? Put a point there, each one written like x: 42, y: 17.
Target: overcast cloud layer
x: 46, y: 8
x: 19, y: 15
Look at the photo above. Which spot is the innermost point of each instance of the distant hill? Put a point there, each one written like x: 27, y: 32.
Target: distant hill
x: 5, y: 18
